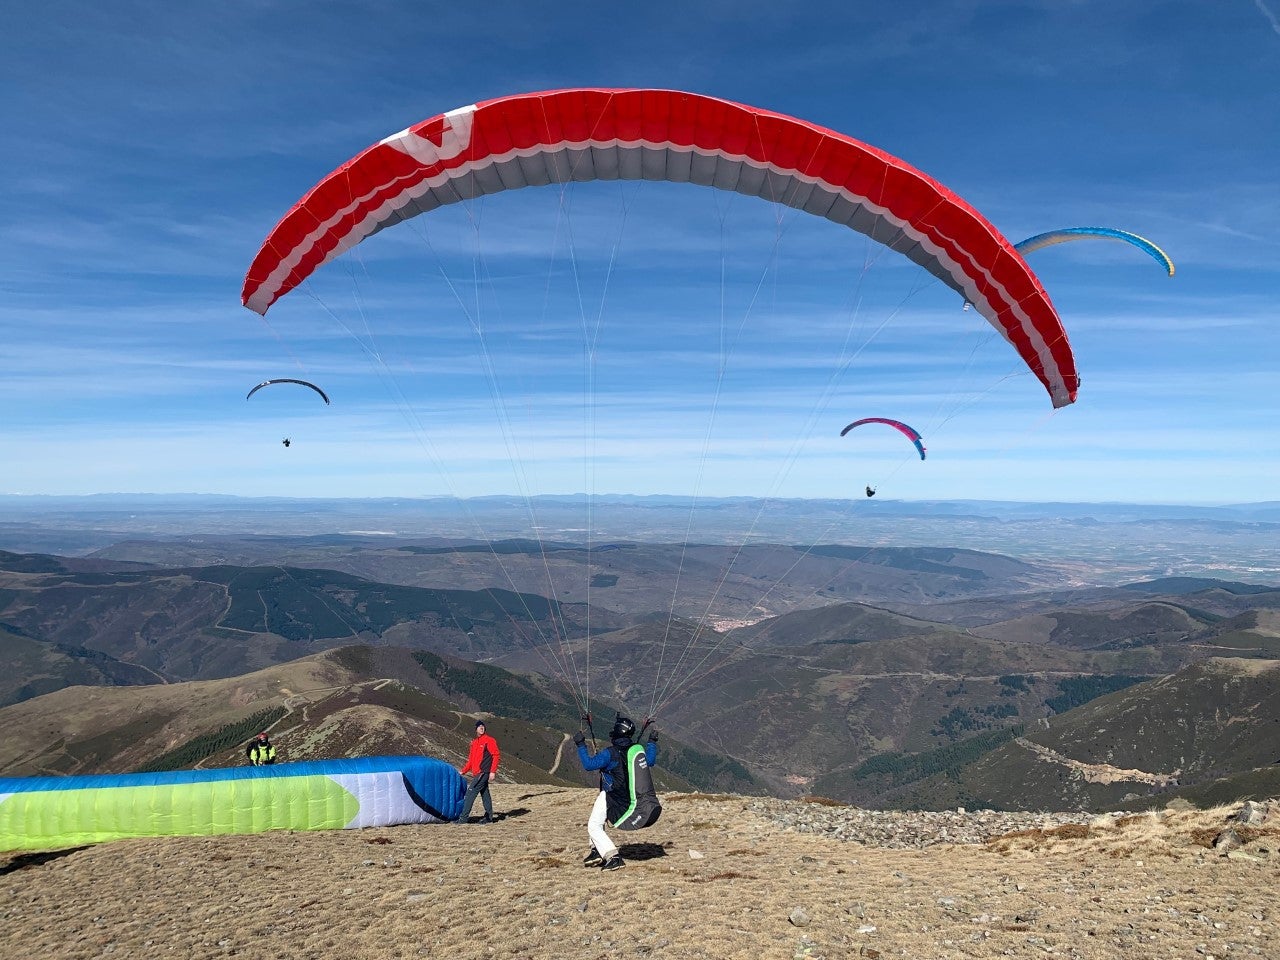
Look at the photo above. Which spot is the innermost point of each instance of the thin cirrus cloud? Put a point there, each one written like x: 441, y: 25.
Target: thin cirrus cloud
x: 1269, y: 14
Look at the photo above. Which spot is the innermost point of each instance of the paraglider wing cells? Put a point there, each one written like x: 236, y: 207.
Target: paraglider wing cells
x: 559, y: 136
x: 49, y: 813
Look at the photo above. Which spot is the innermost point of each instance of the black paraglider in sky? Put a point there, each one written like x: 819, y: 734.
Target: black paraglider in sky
x: 305, y: 383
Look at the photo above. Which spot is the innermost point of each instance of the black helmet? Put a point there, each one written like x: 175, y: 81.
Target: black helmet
x: 622, y: 728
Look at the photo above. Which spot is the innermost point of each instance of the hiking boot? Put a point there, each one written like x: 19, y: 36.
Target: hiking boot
x: 613, y: 863
x: 486, y: 819
x: 592, y: 859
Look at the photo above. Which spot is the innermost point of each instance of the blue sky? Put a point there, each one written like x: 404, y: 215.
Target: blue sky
x: 150, y: 147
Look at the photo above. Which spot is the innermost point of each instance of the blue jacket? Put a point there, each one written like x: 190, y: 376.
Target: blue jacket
x: 607, y: 762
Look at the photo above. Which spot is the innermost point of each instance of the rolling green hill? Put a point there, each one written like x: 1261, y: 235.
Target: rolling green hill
x: 805, y: 711
x: 351, y: 701
x: 33, y: 667
x: 70, y: 625
x: 1210, y: 732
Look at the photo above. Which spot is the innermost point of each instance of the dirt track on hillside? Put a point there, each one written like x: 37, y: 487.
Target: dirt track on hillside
x: 710, y: 880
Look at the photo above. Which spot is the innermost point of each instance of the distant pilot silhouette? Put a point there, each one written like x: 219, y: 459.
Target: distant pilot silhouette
x: 871, y: 491
x: 286, y: 441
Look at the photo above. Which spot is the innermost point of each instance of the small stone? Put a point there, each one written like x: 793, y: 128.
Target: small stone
x: 1226, y: 841
x: 1251, y: 812
x: 799, y: 918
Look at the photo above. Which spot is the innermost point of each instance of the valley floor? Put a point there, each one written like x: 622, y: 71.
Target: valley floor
x: 717, y: 877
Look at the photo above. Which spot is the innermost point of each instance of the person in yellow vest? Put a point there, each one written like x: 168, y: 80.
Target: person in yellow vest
x: 261, y: 751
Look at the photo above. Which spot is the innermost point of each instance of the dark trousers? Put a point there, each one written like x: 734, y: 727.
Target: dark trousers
x: 478, y: 786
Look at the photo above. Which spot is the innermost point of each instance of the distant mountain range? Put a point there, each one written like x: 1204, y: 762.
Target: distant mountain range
x: 1104, y: 542
x: 898, y: 703
x: 115, y: 503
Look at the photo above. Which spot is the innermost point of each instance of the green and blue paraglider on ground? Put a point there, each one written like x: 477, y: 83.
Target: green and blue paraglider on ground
x: 50, y: 813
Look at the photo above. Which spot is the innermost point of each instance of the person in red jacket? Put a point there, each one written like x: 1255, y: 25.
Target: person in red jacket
x: 482, y: 761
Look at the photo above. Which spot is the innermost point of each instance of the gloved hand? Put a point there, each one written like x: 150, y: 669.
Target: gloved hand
x: 579, y: 738
x: 653, y: 734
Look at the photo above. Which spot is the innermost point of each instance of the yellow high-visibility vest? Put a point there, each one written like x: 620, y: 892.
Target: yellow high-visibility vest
x: 261, y: 755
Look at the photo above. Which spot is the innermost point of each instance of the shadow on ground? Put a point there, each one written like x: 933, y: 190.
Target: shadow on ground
x: 22, y: 860
x: 642, y: 851
x: 546, y: 793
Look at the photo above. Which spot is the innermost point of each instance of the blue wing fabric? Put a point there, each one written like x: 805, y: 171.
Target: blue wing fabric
x: 1042, y: 240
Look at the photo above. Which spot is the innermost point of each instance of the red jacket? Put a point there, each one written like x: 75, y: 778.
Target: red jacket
x: 483, y: 757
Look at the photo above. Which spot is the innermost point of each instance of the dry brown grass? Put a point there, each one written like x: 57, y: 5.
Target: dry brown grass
x: 515, y: 890
x: 1204, y: 836
x: 723, y: 875
x: 1041, y: 836
x: 545, y: 863
x: 1167, y: 833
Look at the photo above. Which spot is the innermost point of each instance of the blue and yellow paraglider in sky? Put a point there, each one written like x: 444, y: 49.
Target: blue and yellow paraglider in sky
x: 1042, y: 240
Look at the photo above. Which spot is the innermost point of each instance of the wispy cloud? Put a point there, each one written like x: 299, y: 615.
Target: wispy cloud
x: 732, y: 337
x: 1271, y: 17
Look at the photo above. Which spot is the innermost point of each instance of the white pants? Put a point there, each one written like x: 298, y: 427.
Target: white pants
x: 595, y: 827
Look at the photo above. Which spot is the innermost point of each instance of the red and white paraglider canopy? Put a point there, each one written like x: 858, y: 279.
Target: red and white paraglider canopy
x: 593, y: 134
